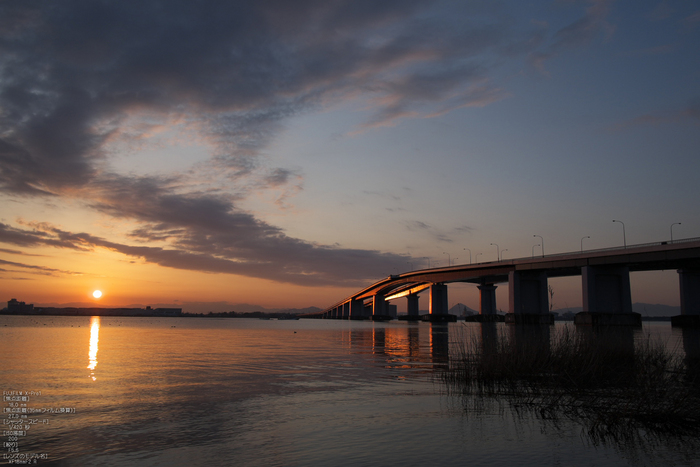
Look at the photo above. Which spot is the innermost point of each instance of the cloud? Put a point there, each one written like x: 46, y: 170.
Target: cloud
x: 464, y: 229
x: 40, y: 270
x: 658, y: 50
x: 689, y: 113
x: 16, y: 252
x: 692, y: 20
x: 78, y: 78
x: 435, y: 234
x: 81, y: 80
x: 577, y: 33
x: 238, y: 245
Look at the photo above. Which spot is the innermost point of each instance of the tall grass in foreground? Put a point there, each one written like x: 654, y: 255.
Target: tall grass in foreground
x: 604, y: 379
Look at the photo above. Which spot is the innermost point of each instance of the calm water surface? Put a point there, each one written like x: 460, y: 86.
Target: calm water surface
x: 197, y: 391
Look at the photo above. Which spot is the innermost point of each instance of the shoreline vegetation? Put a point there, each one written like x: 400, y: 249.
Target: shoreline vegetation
x: 618, y: 387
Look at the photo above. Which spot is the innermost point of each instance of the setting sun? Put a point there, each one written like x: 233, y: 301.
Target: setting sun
x: 97, y: 294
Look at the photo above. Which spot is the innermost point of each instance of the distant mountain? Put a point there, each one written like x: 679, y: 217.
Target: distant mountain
x: 189, y: 307
x: 644, y: 309
x: 219, y: 307
x: 297, y: 311
x: 571, y: 309
x: 647, y: 309
x: 461, y: 309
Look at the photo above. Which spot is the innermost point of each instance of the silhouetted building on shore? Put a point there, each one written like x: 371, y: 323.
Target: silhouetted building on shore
x: 16, y: 307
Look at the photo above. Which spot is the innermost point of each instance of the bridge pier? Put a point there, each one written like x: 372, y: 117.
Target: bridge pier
x: 413, y: 307
x: 356, y: 309
x: 527, y: 298
x: 380, y: 308
x: 438, y: 299
x: 487, y: 296
x: 438, y: 304
x: 487, y: 303
x: 689, y: 280
x: 607, y: 299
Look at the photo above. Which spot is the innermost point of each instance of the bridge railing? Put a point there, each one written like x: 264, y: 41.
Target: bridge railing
x: 621, y: 248
x: 569, y: 253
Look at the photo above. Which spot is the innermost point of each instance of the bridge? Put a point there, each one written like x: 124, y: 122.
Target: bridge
x: 605, y: 286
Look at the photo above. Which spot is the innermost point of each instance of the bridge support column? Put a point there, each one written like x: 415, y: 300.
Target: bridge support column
x: 607, y: 299
x: 346, y: 310
x: 356, y: 309
x: 413, y: 307
x: 438, y: 304
x: 438, y: 299
x: 690, y: 298
x: 487, y: 295
x: 379, y: 307
x: 527, y: 298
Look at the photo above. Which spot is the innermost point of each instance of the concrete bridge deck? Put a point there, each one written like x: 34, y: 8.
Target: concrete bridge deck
x: 605, y: 281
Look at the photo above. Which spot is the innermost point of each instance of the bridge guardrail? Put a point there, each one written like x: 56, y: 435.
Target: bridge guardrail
x: 597, y: 250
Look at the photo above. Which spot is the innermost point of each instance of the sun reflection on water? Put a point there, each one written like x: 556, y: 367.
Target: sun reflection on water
x: 94, y: 339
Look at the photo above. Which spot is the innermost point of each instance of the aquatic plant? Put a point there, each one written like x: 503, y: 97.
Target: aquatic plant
x: 612, y: 383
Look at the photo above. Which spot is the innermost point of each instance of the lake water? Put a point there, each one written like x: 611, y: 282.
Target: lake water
x: 245, y: 392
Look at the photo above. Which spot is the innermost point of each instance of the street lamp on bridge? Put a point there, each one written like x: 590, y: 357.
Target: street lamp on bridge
x: 503, y: 251
x: 624, y: 235
x: 587, y: 236
x: 470, y: 253
x: 498, y: 253
x: 541, y: 243
x: 675, y: 223
x: 449, y: 261
x: 533, y: 249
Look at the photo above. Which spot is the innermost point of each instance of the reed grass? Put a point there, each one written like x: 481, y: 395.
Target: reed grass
x: 613, y: 385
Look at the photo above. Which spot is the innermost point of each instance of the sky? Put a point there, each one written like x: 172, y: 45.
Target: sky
x: 287, y: 154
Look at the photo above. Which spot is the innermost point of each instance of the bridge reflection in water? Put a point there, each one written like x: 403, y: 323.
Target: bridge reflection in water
x: 413, y: 346
x: 429, y: 346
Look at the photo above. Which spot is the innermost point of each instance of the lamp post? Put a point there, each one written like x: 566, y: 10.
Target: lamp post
x: 470, y: 254
x: 449, y: 261
x: 624, y: 235
x: 587, y: 236
x: 503, y: 251
x: 533, y: 249
x: 675, y: 223
x: 476, y: 258
x: 498, y: 253
x: 541, y: 242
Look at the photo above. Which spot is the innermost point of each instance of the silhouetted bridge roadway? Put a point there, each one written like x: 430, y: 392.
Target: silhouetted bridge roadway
x: 605, y: 285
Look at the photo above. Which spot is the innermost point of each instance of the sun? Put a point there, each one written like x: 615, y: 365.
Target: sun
x: 97, y: 293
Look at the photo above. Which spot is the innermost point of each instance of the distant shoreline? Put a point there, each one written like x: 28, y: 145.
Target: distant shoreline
x: 74, y: 311
x: 177, y: 313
